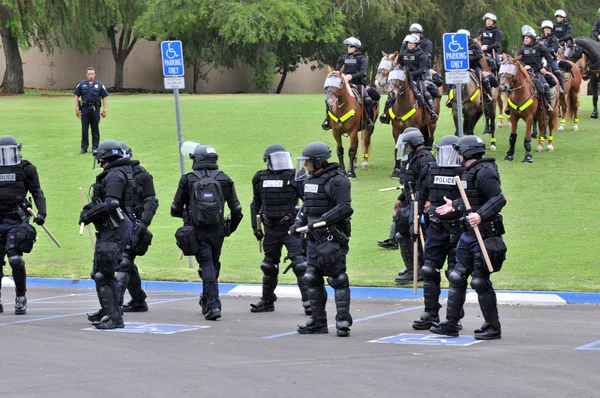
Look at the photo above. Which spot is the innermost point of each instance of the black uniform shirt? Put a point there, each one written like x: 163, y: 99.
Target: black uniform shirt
x: 90, y: 92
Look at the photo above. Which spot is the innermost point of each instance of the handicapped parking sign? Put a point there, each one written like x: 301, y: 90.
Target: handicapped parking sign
x: 172, y: 58
x: 456, y: 51
x: 427, y: 339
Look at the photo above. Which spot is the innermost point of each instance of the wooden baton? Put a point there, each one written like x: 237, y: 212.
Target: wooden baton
x: 317, y: 225
x: 44, y: 227
x: 463, y: 194
x: 89, y: 226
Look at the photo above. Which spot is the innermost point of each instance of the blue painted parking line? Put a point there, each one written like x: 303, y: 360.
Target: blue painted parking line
x: 367, y: 318
x: 595, y: 346
x: 427, y: 339
x: 152, y: 328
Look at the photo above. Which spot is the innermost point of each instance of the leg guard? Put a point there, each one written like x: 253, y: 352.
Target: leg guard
x: 19, y: 275
x: 548, y: 96
x: 299, y: 268
x: 457, y: 292
x: 431, y: 286
x: 123, y: 281
x: 406, y: 250
x: 325, y: 125
x: 106, y: 296
x: 385, y: 116
x: 317, y: 294
x: 352, y: 156
x: 487, y: 87
x: 138, y: 296
x: 270, y: 278
x: 430, y: 106
x: 343, y: 319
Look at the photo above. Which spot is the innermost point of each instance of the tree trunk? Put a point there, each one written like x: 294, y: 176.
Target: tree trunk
x: 13, y: 77
x: 119, y: 71
x: 282, y: 81
x: 196, y: 64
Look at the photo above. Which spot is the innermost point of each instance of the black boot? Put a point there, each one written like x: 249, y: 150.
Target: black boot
x: 427, y: 320
x: 20, y: 305
x: 262, y: 306
x: 369, y: 126
x: 314, y: 325
x: 447, y: 328
x: 385, y: 116
x: 594, y: 114
x: 108, y: 322
x: 547, y: 94
x: 137, y: 304
x: 487, y: 89
x: 429, y: 102
x: 325, y: 125
x: 96, y: 316
x: 489, y: 331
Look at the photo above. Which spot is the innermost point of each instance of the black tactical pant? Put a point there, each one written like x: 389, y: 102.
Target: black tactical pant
x: 7, y: 248
x: 317, y: 294
x: 210, y: 242
x: 470, y: 261
x: 404, y: 227
x: 442, y: 238
x: 129, y: 279
x: 275, y: 238
x: 90, y: 117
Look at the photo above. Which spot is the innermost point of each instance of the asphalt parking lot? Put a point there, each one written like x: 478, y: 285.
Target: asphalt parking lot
x: 53, y: 351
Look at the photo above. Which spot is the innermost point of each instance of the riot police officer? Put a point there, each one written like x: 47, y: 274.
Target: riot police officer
x: 109, y: 211
x: 144, y: 206
x: 200, y: 200
x: 326, y: 199
x: 549, y: 40
x: 533, y: 52
x: 443, y: 232
x: 486, y: 199
x: 562, y: 29
x: 17, y: 177
x: 355, y: 70
x: 491, y: 38
x: 417, y: 63
x: 91, y: 92
x: 411, y: 142
x: 275, y: 200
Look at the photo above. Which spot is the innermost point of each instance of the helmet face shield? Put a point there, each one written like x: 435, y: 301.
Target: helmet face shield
x: 280, y: 161
x: 10, y: 155
x: 302, y: 172
x: 400, y: 149
x: 447, y: 156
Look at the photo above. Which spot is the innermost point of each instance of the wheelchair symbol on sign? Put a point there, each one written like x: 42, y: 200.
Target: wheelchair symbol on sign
x: 170, y: 53
x: 454, y: 46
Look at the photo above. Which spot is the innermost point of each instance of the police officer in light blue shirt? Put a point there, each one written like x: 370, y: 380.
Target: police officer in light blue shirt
x: 90, y: 95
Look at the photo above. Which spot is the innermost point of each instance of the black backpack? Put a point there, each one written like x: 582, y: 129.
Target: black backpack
x: 206, y: 200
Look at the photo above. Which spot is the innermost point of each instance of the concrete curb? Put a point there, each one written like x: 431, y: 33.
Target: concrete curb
x: 253, y: 290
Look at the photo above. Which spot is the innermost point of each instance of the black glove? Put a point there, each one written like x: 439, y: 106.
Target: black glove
x: 311, y: 224
x: 84, y: 214
x: 259, y: 234
x: 227, y: 226
x: 292, y: 231
x: 39, y: 219
x: 139, y: 231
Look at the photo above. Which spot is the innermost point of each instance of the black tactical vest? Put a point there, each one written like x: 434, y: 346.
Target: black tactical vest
x: 126, y: 201
x: 442, y: 183
x: 560, y: 29
x: 415, y: 166
x: 488, y: 36
x: 278, y: 195
x: 12, y: 187
x: 138, y: 191
x: 476, y: 197
x: 411, y: 59
x: 352, y: 63
x: 316, y: 200
x: 532, y: 56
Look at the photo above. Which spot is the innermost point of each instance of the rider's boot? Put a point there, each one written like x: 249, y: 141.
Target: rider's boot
x: 429, y: 103
x: 487, y: 89
x: 385, y: 116
x: 325, y: 125
x: 561, y: 80
x: 548, y: 96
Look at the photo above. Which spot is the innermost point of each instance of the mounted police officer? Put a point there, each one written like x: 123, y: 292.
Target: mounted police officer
x: 411, y: 142
x: 109, y: 211
x: 17, y: 177
x: 200, y: 200
x: 91, y: 93
x: 424, y: 43
x: 491, y: 39
x: 562, y: 29
x: 486, y: 199
x: 417, y: 63
x: 275, y: 200
x: 326, y: 199
x: 549, y: 40
x: 443, y: 232
x: 593, y: 76
x: 355, y: 70
x: 533, y: 52
x: 475, y: 56
x: 144, y: 206
x: 596, y: 28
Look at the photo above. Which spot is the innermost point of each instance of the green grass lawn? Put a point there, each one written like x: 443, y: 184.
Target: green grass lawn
x: 551, y: 215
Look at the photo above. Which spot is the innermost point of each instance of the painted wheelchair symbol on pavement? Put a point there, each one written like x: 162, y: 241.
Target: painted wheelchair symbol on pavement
x: 454, y: 46
x: 170, y: 53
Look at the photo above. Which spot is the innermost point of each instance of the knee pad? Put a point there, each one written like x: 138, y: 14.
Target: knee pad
x: 339, y: 281
x: 100, y: 279
x: 122, y: 278
x: 126, y: 264
x: 457, y: 279
x: 374, y: 94
x: 268, y: 268
x: 299, y: 265
x: 430, y: 271
x: 479, y: 284
x: 311, y: 279
x: 16, y: 262
x: 368, y: 101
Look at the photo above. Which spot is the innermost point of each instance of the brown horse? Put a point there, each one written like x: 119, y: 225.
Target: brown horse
x: 406, y: 112
x: 345, y: 116
x: 472, y: 104
x: 525, y: 103
x: 570, y: 97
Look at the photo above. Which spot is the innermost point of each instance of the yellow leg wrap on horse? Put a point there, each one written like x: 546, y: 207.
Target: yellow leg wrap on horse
x: 541, y: 139
x: 576, y: 120
x: 493, y: 140
x: 366, y: 156
x: 563, y: 121
x: 550, y: 138
x: 500, y: 117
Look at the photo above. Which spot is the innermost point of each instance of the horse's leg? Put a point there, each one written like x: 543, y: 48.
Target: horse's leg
x: 352, y: 153
x: 534, y: 131
x: 542, y: 129
x: 551, y: 126
x: 500, y: 104
x: 511, y: 142
x: 562, y: 105
x: 573, y: 109
x: 340, y: 149
x: 366, y: 144
x: 527, y: 140
x: 594, y: 83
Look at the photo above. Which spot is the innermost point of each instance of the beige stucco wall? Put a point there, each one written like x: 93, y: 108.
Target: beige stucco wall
x: 64, y: 69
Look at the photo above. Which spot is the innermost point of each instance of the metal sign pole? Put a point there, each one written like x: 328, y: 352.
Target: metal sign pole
x: 459, y: 110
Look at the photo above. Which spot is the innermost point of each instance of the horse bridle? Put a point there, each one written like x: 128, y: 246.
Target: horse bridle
x: 330, y: 91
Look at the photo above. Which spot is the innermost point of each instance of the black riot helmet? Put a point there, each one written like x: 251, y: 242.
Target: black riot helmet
x: 317, y: 153
x: 127, y: 152
x: 271, y: 149
x: 205, y: 153
x: 446, y: 155
x: 278, y: 158
x: 10, y: 151
x: 470, y: 145
x: 410, y: 137
x: 109, y: 149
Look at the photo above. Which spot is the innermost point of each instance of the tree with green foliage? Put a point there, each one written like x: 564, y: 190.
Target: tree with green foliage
x: 45, y: 24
